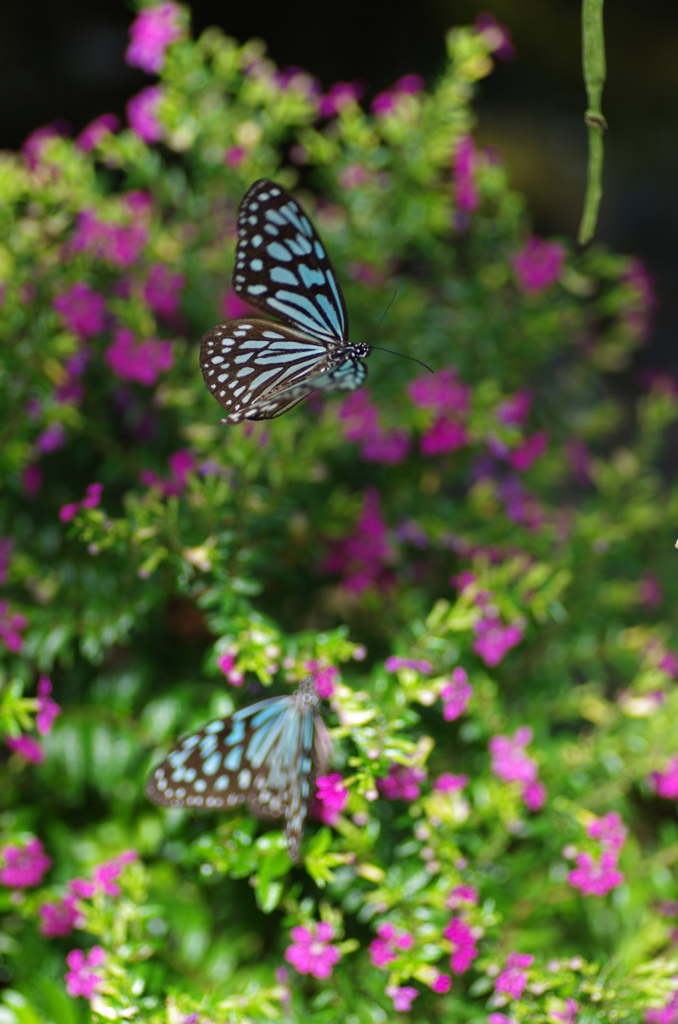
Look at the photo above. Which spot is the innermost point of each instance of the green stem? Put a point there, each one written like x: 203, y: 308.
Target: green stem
x: 593, y: 41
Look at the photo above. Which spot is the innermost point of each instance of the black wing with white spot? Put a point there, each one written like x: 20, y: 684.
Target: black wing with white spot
x: 257, y: 369
x: 268, y: 754
x: 281, y: 265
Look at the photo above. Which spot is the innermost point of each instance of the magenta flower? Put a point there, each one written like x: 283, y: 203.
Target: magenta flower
x: 181, y: 464
x: 233, y: 307
x: 500, y: 1018
x: 26, y: 747
x: 493, y: 639
x: 462, y: 896
x: 401, y: 783
x: 325, y: 677
x: 394, y: 663
x: 142, y: 113
x: 339, y: 96
x: 332, y: 796
x: 234, y: 156
x: 441, y: 392
x: 509, y: 760
x: 464, y: 187
x: 666, y: 782
x: 47, y: 708
x: 596, y: 878
x: 534, y: 795
x: 162, y: 290
x: 362, y: 557
x: 311, y: 952
x: 96, y: 130
x: 226, y: 662
x: 24, y: 866
x: 538, y: 265
x: 386, y: 102
x: 82, y: 979
x: 151, y: 32
x: 60, y: 917
x: 443, y: 436
x: 516, y: 409
x: 497, y: 36
x: 12, y: 624
x: 449, y: 783
x: 667, y: 1014
x: 569, y: 1014
x: 50, y: 439
x: 402, y: 997
x: 441, y: 983
x: 105, y: 874
x: 531, y: 449
x: 118, y: 244
x: 91, y: 500
x: 141, y: 361
x: 360, y: 423
x: 513, y: 979
x: 391, y: 940
x: 463, y: 943
x: 609, y: 830
x: 81, y: 309
x: 650, y: 594
x: 456, y: 694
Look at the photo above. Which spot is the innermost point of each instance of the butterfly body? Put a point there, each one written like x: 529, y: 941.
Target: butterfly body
x: 258, y: 369
x: 267, y: 754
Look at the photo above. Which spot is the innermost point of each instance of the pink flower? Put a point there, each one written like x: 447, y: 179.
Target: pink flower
x: 667, y: 1014
x: 141, y: 361
x: 391, y: 940
x: 105, y: 874
x: 666, y: 782
x: 610, y: 830
x: 650, y: 593
x: 361, y: 558
x: 47, y: 708
x: 513, y: 979
x: 442, y: 983
x: 332, y: 796
x: 441, y: 392
x: 234, y: 156
x: 395, y: 663
x: 60, y: 917
x: 82, y: 979
x: 26, y: 747
x: 311, y: 952
x: 338, y: 96
x: 12, y: 624
x: 233, y: 307
x: 81, y: 309
x: 449, y: 783
x: 462, y: 895
x: 24, y: 866
x: 96, y: 130
x: 493, y: 639
x: 538, y: 265
x: 402, y: 997
x: 500, y: 1018
x: 142, y: 114
x: 534, y: 795
x: 509, y: 760
x: 386, y: 102
x: 596, y: 878
x: 401, y: 783
x: 569, y: 1014
x: 515, y: 409
x: 151, y: 32
x: 51, y: 439
x: 181, y: 464
x: 91, y: 500
x: 117, y: 244
x: 162, y: 290
x: 463, y: 944
x: 532, y: 448
x: 456, y: 695
x: 324, y: 676
x: 464, y: 187
x: 497, y: 37
x: 443, y: 436
x: 360, y: 422
x: 226, y: 662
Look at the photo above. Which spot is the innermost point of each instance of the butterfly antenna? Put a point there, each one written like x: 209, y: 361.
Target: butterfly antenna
x: 390, y: 351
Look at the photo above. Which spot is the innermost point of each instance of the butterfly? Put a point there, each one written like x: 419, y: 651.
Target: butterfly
x: 268, y: 754
x: 257, y: 369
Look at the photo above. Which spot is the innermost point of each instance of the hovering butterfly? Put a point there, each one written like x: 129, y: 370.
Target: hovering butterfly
x: 257, y: 369
x: 268, y: 754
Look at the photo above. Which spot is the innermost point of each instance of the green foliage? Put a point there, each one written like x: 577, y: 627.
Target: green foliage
x: 291, y: 544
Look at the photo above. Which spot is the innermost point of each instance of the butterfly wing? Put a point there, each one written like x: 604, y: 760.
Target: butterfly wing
x: 257, y: 369
x: 267, y: 754
x: 281, y: 265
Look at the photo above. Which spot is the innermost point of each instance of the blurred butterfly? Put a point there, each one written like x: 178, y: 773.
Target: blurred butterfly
x: 257, y: 369
x: 268, y: 754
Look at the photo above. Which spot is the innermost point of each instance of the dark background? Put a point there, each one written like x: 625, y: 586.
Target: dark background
x: 65, y: 61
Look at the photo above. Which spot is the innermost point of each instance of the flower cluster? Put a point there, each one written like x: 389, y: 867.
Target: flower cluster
x: 596, y: 872
x: 511, y: 763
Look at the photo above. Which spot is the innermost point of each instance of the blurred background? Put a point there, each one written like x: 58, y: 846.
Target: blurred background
x: 65, y: 62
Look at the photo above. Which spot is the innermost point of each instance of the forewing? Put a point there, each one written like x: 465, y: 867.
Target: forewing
x: 282, y: 267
